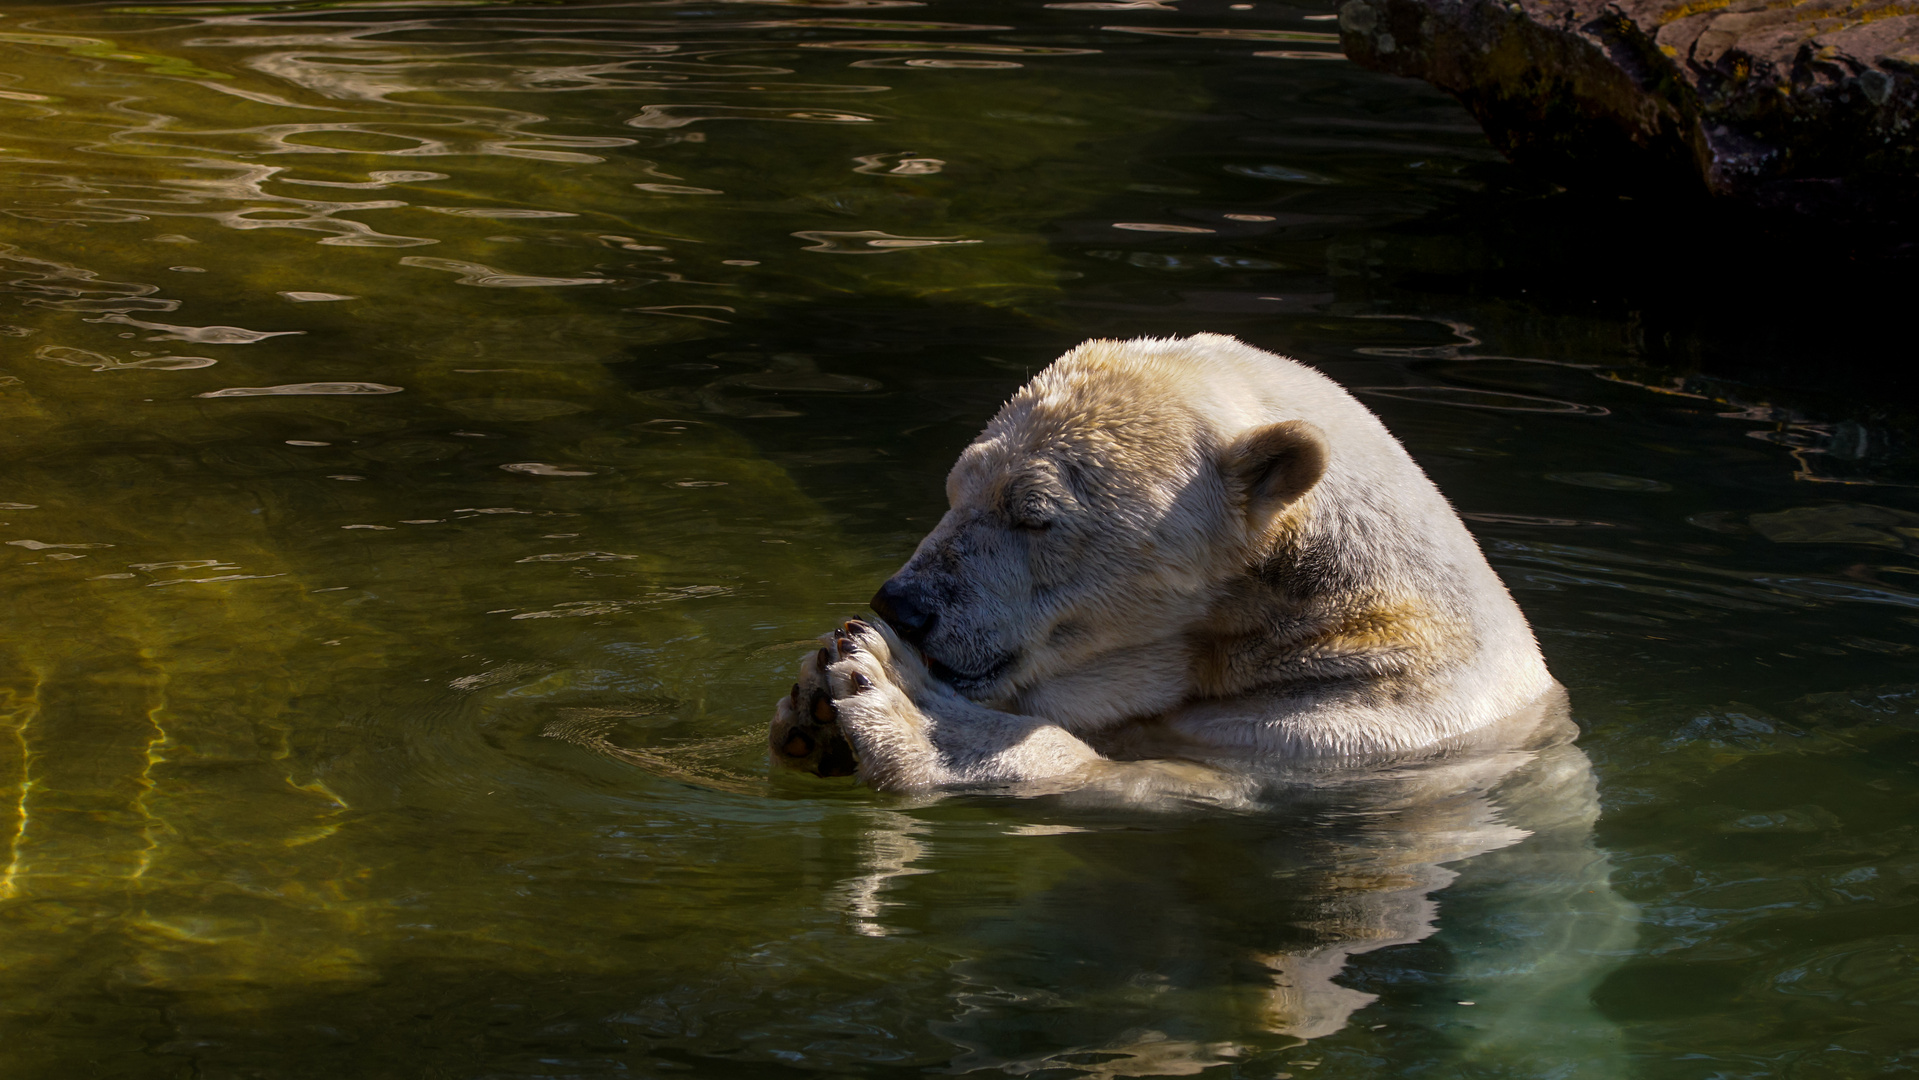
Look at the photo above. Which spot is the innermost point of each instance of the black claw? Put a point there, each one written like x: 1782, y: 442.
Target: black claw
x: 794, y: 695
x: 862, y: 682
x: 823, y: 657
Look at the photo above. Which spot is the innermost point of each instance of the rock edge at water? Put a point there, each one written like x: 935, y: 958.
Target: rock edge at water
x: 1805, y: 105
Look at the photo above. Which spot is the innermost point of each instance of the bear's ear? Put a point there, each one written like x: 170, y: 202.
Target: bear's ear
x: 1270, y: 467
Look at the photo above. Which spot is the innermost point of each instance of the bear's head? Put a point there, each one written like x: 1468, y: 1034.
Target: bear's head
x: 1092, y: 525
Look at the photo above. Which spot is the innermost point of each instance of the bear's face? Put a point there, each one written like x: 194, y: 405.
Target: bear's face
x: 1091, y: 525
x: 1045, y: 562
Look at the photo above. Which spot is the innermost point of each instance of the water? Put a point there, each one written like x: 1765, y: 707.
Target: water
x: 431, y: 430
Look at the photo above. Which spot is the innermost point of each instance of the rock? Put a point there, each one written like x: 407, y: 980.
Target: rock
x: 1799, y: 104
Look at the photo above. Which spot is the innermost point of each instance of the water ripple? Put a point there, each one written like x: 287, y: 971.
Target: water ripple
x: 1470, y: 398
x: 1312, y: 36
x: 873, y: 242
x: 899, y: 25
x: 1716, y: 586
x: 67, y: 287
x: 676, y: 116
x: 304, y: 389
x: 580, y: 609
x: 509, y: 409
x: 947, y: 47
x: 487, y: 277
x: 199, y: 335
x: 94, y: 361
x: 900, y: 163
x: 577, y: 556
x: 1606, y: 481
x: 1158, y: 227
x: 541, y: 468
x: 497, y: 212
x: 36, y: 545
x: 1300, y: 54
x: 938, y: 62
x: 1281, y: 172
x: 384, y: 178
x: 212, y: 580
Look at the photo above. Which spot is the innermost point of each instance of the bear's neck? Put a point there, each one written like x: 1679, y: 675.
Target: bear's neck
x: 1326, y: 598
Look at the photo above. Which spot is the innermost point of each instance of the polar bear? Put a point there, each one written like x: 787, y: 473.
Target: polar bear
x: 1172, y: 550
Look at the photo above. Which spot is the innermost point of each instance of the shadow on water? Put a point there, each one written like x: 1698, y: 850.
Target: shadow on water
x: 1756, y: 305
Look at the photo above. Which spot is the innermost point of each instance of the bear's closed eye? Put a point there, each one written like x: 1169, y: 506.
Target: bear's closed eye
x: 1033, y: 508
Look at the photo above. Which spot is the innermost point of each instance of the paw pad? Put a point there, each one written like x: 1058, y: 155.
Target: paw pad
x: 806, y: 734
x: 806, y: 731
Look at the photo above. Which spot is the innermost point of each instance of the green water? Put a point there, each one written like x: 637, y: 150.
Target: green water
x: 432, y: 429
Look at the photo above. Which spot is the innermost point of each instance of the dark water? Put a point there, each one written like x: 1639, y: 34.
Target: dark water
x: 430, y: 430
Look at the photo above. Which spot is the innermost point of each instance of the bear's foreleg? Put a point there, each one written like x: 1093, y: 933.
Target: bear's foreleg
x: 904, y: 731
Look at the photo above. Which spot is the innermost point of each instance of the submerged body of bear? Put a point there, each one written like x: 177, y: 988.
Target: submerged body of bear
x: 1174, y: 550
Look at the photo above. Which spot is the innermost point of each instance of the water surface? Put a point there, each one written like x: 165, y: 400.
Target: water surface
x: 432, y: 430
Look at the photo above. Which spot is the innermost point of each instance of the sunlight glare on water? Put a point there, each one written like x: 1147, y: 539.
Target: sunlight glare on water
x: 433, y: 431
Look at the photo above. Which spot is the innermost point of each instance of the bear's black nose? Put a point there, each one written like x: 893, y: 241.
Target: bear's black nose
x: 906, y: 608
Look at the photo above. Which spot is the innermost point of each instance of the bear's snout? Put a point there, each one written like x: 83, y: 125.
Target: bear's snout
x: 907, y: 609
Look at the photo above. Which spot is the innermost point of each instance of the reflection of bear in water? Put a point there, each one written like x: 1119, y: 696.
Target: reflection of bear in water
x: 1187, y: 571
x: 1195, y: 936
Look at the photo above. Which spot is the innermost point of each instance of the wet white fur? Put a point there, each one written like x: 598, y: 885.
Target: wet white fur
x: 1103, y: 621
